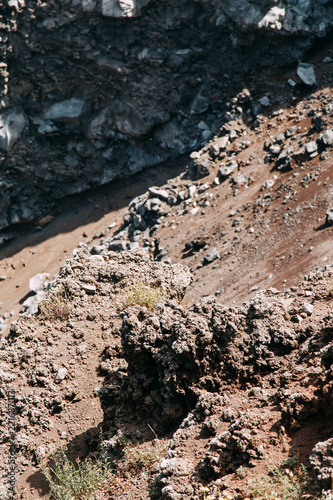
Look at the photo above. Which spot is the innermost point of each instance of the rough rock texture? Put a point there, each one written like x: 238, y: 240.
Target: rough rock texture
x: 97, y: 90
x: 232, y: 385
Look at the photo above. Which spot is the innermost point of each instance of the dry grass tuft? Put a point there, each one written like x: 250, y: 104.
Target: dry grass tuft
x: 288, y: 482
x: 142, y: 458
x: 56, y: 305
x: 144, y: 296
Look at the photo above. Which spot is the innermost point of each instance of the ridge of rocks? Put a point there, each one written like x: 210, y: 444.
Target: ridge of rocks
x: 233, y: 385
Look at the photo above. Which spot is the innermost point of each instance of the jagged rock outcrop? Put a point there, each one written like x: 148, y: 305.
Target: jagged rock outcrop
x: 233, y: 384
x: 97, y: 90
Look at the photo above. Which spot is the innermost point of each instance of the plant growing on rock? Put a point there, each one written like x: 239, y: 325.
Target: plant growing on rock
x: 57, y: 304
x: 144, y: 296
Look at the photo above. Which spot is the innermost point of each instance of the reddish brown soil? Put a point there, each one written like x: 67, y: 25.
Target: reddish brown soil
x: 277, y: 253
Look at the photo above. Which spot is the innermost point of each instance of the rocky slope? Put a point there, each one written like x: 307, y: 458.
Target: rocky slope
x: 229, y: 371
x: 231, y: 387
x: 97, y: 90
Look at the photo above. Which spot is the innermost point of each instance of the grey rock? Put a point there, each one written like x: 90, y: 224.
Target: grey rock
x: 199, y: 168
x: 210, y: 257
x: 264, y: 101
x: 118, y: 246
x: 88, y: 5
x: 176, y: 466
x: 130, y: 121
x: 98, y: 249
x: 329, y: 109
x: 93, y: 133
x: 66, y: 110
x: 226, y: 169
x: 307, y: 308
x: 240, y: 180
x: 153, y: 204
x: 223, y: 143
x: 162, y: 194
x: 307, y: 74
x: 201, y: 101
x: 168, y: 493
x: 3, y: 324
x: 321, y: 460
x: 12, y: 124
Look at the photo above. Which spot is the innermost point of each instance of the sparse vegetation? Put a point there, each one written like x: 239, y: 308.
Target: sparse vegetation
x: 74, y: 480
x: 288, y: 482
x: 91, y: 479
x: 143, y: 295
x: 56, y: 305
x: 142, y: 458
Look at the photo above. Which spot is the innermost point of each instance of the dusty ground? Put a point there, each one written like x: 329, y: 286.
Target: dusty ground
x: 46, y: 248
x: 263, y: 249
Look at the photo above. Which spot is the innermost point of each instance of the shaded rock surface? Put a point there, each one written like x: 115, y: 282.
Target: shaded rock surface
x: 135, y: 83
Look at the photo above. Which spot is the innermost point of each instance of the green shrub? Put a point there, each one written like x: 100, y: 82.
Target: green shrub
x: 73, y: 481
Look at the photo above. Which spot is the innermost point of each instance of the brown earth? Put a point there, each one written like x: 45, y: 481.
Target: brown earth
x: 263, y: 249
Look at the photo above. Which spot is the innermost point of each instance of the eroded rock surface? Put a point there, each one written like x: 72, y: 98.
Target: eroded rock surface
x: 97, y: 90
x: 231, y: 385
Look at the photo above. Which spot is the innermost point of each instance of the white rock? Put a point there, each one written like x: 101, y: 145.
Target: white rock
x: 273, y: 19
x: 88, y: 5
x: 37, y: 282
x: 191, y: 191
x: 311, y: 147
x: 327, y: 137
x: 194, y: 155
x: 12, y: 124
x: 268, y: 184
x: 275, y: 149
x: 307, y: 308
x: 122, y: 8
x: 61, y: 374
x: 89, y: 289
